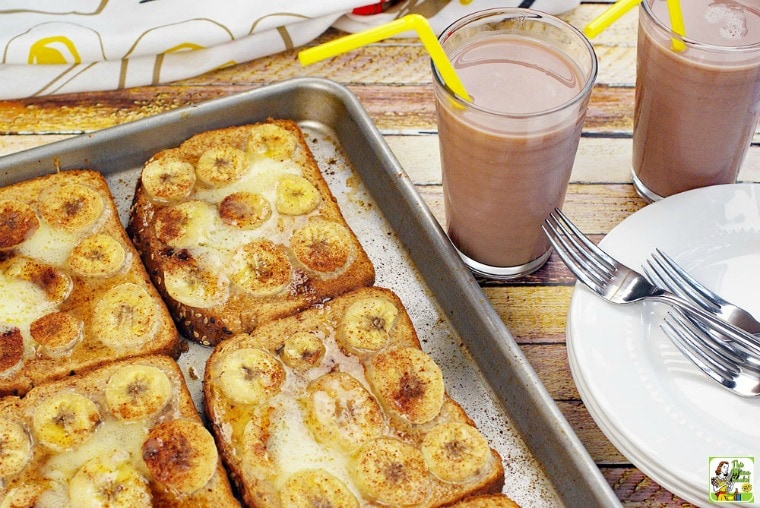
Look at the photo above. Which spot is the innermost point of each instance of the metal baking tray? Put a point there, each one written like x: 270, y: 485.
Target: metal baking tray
x: 484, y: 368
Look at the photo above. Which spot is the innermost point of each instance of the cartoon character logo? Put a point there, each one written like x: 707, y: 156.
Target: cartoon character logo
x: 730, y: 479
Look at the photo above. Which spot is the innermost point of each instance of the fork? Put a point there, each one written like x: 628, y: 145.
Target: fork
x: 713, y: 357
x: 617, y: 283
x: 665, y: 272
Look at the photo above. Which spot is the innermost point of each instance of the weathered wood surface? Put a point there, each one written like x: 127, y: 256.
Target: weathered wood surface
x: 392, y: 80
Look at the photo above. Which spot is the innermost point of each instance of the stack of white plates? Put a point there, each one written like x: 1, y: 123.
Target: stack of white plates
x: 653, y: 404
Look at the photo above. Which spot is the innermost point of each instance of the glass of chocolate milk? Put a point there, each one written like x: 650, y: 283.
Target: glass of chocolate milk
x: 697, y: 96
x: 507, y: 154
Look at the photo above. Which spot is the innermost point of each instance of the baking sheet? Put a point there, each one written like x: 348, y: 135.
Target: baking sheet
x: 485, y: 370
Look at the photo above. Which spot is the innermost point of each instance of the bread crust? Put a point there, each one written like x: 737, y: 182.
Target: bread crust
x: 229, y: 419
x: 129, y: 437
x: 52, y: 268
x: 242, y: 311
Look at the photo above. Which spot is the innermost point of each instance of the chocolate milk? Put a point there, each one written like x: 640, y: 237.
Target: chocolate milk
x: 696, y: 110
x: 506, y: 163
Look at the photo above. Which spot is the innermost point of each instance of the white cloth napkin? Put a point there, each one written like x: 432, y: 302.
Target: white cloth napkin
x: 53, y: 46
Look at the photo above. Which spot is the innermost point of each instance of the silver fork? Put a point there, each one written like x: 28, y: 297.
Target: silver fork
x: 713, y: 357
x: 620, y: 284
x: 665, y: 272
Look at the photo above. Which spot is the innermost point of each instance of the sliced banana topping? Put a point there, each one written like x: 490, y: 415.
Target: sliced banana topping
x: 57, y: 333
x: 296, y: 195
x: 180, y: 455
x: 455, y: 452
x: 26, y: 495
x: 322, y: 246
x: 167, y: 180
x: 316, y: 488
x: 125, y: 316
x: 261, y: 268
x: 250, y: 375
x: 221, y: 166
x: 270, y: 141
x: 65, y: 420
x: 138, y: 391
x: 245, y: 210
x: 71, y: 207
x: 98, y: 255
x: 17, y: 223
x: 302, y: 350
x: 56, y: 285
x: 392, y: 472
x: 341, y: 412
x: 109, y: 481
x: 15, y: 448
x: 11, y: 352
x: 366, y: 325
x: 408, y: 383
x: 196, y: 285
x: 186, y: 224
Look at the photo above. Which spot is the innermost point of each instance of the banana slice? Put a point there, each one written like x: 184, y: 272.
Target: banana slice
x: 98, y: 255
x: 270, y: 141
x: 180, y: 455
x: 455, y: 452
x: 17, y: 223
x: 302, y: 350
x: 296, y: 196
x: 194, y: 284
x: 57, y: 333
x: 316, y: 487
x: 341, y: 412
x: 186, y: 224
x: 391, y: 472
x: 261, y: 268
x: 109, y: 481
x: 71, y: 207
x: 65, y: 420
x: 138, y: 391
x: 167, y: 180
x: 11, y: 352
x: 15, y: 448
x: 322, y: 246
x: 125, y: 316
x: 221, y: 166
x: 366, y: 325
x: 29, y: 495
x: 408, y: 383
x: 250, y: 376
x: 245, y: 210
x: 56, y: 285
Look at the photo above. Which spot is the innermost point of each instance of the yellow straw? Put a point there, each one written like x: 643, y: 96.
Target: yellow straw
x: 414, y: 22
x: 676, y: 24
x: 605, y: 19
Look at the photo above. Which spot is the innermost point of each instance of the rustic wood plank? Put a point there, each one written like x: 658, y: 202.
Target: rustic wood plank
x: 637, y: 489
x: 535, y: 314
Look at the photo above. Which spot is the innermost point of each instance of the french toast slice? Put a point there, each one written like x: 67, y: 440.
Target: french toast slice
x: 238, y: 227
x: 126, y: 434
x: 339, y: 404
x: 74, y: 292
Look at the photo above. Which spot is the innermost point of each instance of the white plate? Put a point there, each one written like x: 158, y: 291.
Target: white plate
x: 657, y: 408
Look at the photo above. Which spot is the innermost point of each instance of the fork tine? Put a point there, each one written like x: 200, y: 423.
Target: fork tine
x: 684, y: 339
x: 601, y: 258
x: 686, y: 284
x: 552, y: 229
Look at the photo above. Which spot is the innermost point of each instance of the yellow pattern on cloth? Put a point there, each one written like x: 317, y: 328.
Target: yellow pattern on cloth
x: 52, y: 47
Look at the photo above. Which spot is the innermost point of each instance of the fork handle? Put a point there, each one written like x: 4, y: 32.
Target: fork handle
x: 734, y: 333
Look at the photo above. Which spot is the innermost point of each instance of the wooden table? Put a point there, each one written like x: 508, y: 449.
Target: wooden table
x: 392, y: 80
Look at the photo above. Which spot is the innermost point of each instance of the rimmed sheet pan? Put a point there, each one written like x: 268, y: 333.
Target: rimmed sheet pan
x: 485, y: 370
